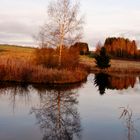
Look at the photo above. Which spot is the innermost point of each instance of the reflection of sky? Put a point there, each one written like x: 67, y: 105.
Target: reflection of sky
x: 99, y: 114
x: 20, y: 20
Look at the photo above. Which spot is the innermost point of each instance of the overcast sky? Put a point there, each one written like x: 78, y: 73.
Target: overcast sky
x: 20, y: 20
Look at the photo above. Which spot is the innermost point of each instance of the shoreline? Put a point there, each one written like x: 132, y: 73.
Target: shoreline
x: 17, y: 66
x: 43, y: 83
x: 117, y: 66
x: 48, y: 86
x: 114, y: 71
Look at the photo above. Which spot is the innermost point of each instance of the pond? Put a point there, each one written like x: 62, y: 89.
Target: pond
x: 103, y: 108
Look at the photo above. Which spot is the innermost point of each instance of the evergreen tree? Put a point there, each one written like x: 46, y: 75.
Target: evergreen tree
x: 102, y: 59
x: 101, y: 81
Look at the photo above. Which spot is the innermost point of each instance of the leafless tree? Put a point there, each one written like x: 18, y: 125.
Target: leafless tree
x: 63, y: 27
x: 58, y: 116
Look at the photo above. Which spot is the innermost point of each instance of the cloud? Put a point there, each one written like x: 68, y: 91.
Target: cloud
x: 20, y: 20
x: 16, y: 32
x: 19, y: 29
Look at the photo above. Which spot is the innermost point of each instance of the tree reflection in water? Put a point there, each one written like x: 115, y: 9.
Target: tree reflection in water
x: 57, y: 115
x: 15, y: 90
x: 102, y: 82
x: 105, y: 81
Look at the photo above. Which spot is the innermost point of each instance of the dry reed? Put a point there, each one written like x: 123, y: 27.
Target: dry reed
x: 22, y: 70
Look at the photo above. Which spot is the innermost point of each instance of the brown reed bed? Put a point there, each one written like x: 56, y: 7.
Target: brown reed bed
x: 13, y: 69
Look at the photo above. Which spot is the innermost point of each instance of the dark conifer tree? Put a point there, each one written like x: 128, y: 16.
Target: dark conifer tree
x: 101, y: 81
x: 102, y: 59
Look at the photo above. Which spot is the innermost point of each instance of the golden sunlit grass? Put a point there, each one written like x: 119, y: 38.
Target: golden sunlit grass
x: 117, y: 66
x: 17, y: 65
x: 16, y: 51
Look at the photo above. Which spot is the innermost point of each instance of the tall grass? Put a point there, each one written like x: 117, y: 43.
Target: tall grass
x: 22, y: 70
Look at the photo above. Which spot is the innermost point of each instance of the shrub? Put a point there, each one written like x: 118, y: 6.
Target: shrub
x: 70, y: 58
x: 48, y: 57
x: 81, y: 47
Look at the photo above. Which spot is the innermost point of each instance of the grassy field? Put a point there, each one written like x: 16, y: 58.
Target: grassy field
x: 17, y: 64
x: 117, y: 66
x: 16, y: 51
x: 26, y: 53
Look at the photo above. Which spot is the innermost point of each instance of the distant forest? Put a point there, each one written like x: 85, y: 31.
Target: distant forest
x: 121, y: 48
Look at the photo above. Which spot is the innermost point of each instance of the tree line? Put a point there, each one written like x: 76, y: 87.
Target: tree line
x: 121, y: 48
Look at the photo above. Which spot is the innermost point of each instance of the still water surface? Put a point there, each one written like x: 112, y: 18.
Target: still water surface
x: 103, y: 108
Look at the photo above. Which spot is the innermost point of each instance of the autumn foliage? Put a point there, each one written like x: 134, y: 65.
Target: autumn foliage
x: 49, y: 58
x: 81, y: 47
x: 121, y: 48
x: 40, y: 66
x: 121, y: 83
x: 105, y: 81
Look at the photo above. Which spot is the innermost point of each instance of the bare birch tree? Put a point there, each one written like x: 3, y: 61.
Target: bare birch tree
x: 64, y: 25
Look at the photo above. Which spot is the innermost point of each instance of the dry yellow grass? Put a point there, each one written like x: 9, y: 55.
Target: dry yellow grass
x: 16, y: 52
x: 125, y: 64
x: 17, y: 64
x: 117, y: 66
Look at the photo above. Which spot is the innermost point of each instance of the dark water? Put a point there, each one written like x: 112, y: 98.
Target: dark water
x: 103, y: 108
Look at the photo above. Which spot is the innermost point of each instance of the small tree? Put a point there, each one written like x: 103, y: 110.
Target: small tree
x: 63, y: 27
x: 102, y: 59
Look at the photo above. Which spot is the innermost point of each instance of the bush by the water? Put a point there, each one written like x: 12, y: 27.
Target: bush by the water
x: 46, y: 57
x: 49, y: 58
x: 41, y: 66
x: 15, y: 70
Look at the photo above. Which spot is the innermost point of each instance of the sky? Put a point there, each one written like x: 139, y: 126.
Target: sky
x: 21, y: 20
